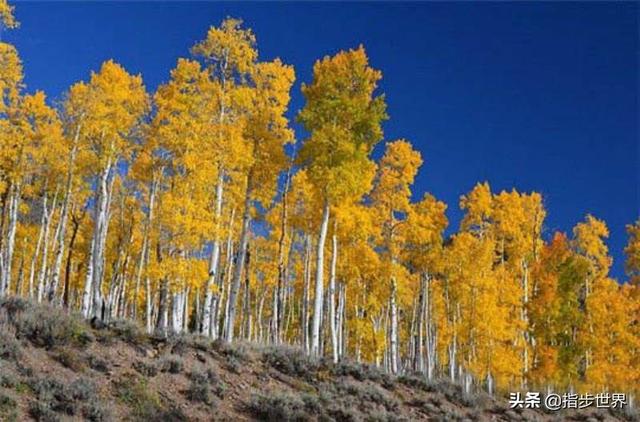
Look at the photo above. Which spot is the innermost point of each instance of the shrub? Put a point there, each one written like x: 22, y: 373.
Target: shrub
x: 198, y: 342
x: 95, y: 411
x: 132, y: 391
x: 237, y: 351
x: 53, y: 395
x: 292, y: 361
x: 25, y: 370
x: 199, y: 390
x: 45, y: 326
x: 179, y: 343
x: 8, y: 380
x: 10, y: 348
x: 172, y: 364
x: 626, y: 413
x: 370, y: 393
x: 202, y: 383
x: 14, y: 305
x: 98, y: 364
x: 42, y: 412
x: 144, y: 403
x: 69, y: 359
x: 8, y: 408
x: 83, y: 389
x: 129, y: 331
x: 417, y: 382
x: 146, y: 369
x: 358, y: 371
x: 278, y: 406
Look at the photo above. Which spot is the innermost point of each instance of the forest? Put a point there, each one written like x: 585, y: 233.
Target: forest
x: 194, y: 209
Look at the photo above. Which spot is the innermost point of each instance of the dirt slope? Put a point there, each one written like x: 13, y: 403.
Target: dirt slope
x: 57, y: 367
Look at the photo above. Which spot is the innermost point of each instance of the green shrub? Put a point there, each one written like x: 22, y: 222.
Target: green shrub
x: 43, y: 325
x: 95, y: 411
x: 370, y: 393
x: 128, y: 331
x: 172, y: 364
x: 8, y: 380
x: 69, y: 359
x: 10, y: 348
x: 146, y: 369
x: 42, y: 412
x: 237, y: 351
x: 98, y: 364
x: 292, y: 361
x: 8, y: 408
x: 280, y: 407
x: 199, y: 389
x: 133, y: 391
x: 83, y: 389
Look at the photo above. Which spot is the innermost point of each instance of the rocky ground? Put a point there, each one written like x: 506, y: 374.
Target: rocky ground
x: 56, y: 367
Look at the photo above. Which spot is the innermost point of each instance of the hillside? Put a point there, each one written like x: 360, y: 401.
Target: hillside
x: 58, y: 367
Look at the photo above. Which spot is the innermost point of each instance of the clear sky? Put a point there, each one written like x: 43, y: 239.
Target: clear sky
x: 536, y: 96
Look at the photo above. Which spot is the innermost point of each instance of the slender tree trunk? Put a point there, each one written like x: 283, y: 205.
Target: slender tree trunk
x: 60, y: 235
x: 525, y: 323
x: 88, y: 284
x: 393, y: 309
x: 67, y: 274
x: 332, y: 296
x: 213, y: 263
x: 7, y: 257
x: 304, y: 322
x: 44, y: 259
x: 144, y: 252
x: 342, y: 298
x: 317, y: 307
x: 242, y: 253
x: 222, y: 289
x: 420, y: 326
x: 93, y: 285
x: 36, y: 253
x: 163, y: 307
x: 282, y: 268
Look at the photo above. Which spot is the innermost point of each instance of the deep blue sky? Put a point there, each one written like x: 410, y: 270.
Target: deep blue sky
x: 537, y: 96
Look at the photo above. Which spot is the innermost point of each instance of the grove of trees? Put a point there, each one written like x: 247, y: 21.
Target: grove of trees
x: 189, y: 210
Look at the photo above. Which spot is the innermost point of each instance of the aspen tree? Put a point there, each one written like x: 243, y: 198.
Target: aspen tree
x: 10, y: 86
x: 7, y: 20
x: 343, y: 116
x: 229, y: 53
x: 391, y: 197
x: 266, y: 132
x: 118, y: 102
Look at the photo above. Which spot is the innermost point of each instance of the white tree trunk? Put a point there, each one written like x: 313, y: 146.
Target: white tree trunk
x: 62, y: 226
x: 317, y: 305
x: 100, y: 234
x: 237, y: 273
x: 214, y: 262
x: 88, y: 288
x: 7, y: 256
x: 36, y: 253
x: 144, y: 252
x: 304, y: 320
x: 42, y: 274
x: 332, y: 298
x: 393, y: 356
x: 177, y: 312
